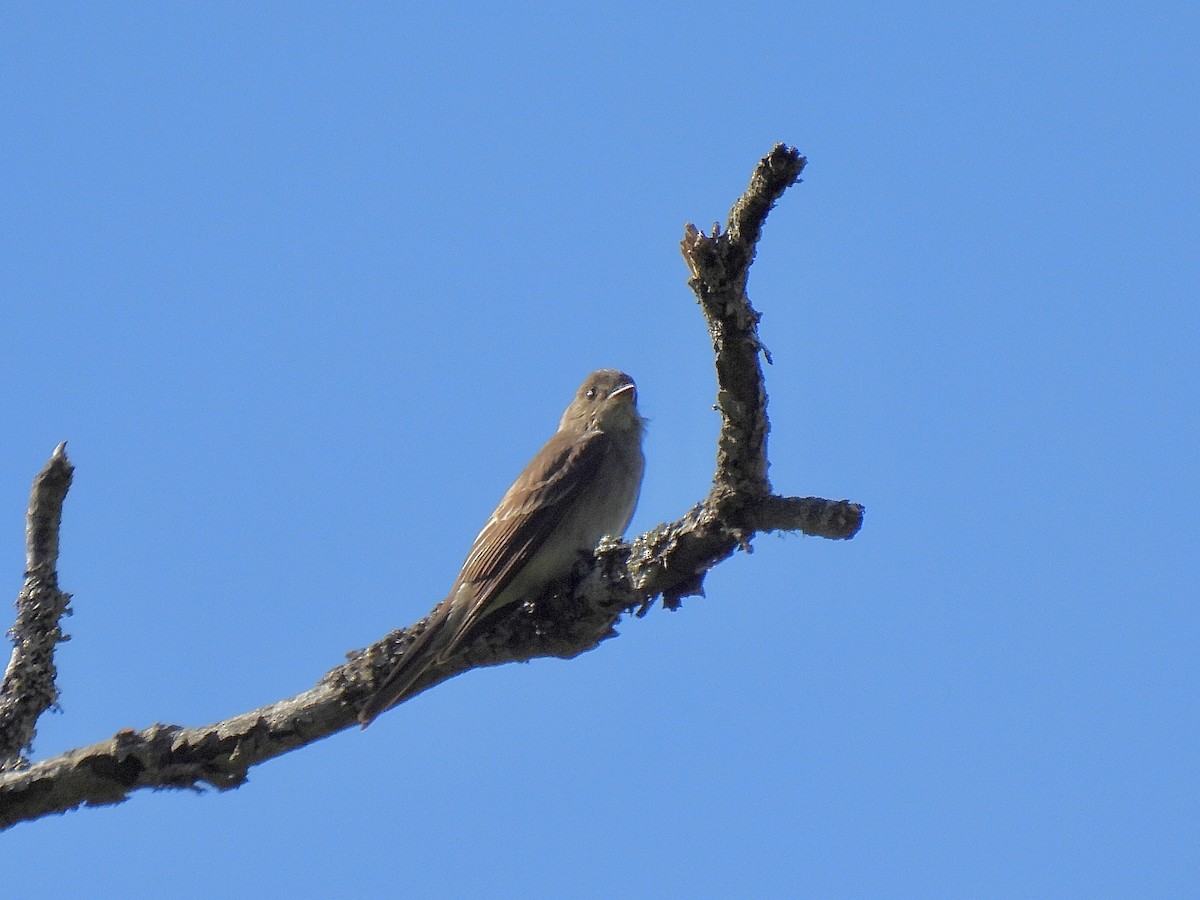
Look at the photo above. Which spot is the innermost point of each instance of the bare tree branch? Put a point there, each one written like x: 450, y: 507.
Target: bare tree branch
x: 573, y: 617
x: 29, y: 688
x: 720, y: 265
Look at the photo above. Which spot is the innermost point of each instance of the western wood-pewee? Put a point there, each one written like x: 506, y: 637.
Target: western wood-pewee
x: 582, y: 485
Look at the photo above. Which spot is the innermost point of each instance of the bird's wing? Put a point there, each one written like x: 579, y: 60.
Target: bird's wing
x: 524, y: 518
x: 527, y: 514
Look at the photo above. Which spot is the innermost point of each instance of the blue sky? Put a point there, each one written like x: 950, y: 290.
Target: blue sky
x: 304, y: 287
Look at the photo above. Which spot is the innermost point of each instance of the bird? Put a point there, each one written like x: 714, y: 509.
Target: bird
x: 582, y: 485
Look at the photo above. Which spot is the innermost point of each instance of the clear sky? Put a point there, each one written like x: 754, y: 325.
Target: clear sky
x: 304, y: 287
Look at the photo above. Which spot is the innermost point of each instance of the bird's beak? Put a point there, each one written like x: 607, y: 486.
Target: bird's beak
x: 628, y: 387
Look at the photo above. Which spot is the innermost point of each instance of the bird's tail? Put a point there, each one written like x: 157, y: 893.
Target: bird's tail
x: 418, y: 656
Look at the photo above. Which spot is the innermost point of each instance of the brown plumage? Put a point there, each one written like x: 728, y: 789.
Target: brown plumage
x: 582, y: 485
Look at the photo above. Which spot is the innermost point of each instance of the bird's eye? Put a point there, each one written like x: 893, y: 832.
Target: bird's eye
x: 591, y: 394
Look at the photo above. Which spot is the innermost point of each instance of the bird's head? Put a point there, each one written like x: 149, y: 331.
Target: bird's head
x: 606, y: 400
